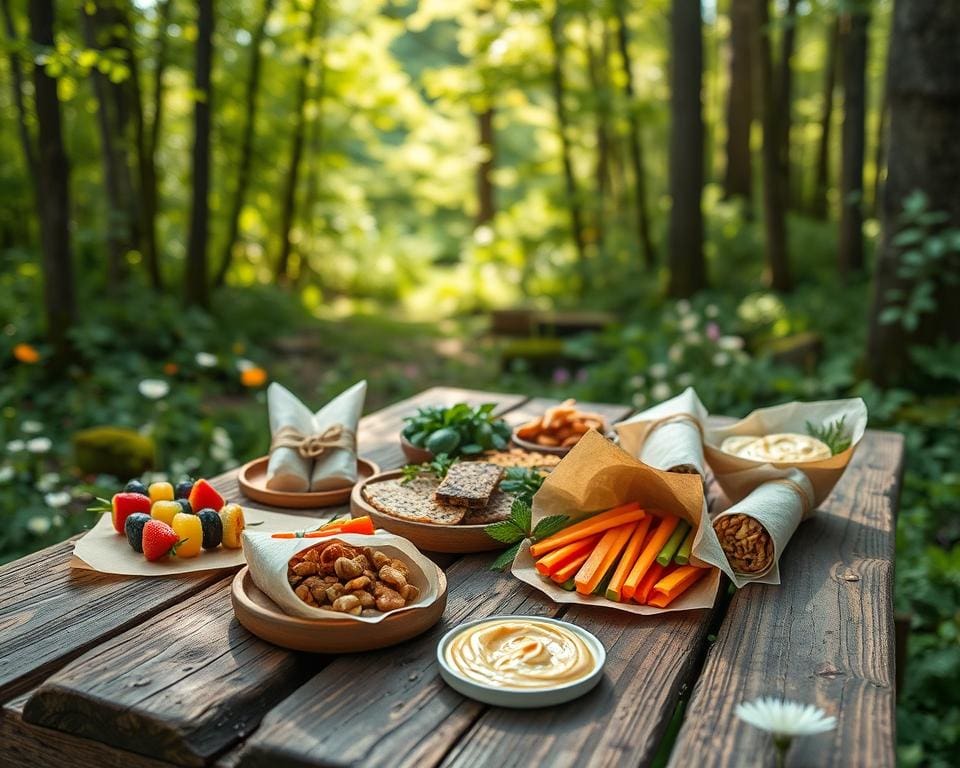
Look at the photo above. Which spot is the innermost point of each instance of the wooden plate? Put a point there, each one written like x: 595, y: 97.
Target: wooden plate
x: 414, y: 454
x: 554, y: 450
x: 261, y: 616
x: 253, y: 482
x: 457, y: 539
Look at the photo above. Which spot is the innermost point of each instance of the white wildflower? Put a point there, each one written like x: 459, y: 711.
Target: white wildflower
x: 15, y: 446
x: 659, y: 370
x: 6, y: 474
x: 154, y: 389
x: 712, y: 311
x: 57, y: 521
x: 31, y: 427
x: 730, y: 343
x: 47, y: 482
x: 685, y: 380
x: 205, y: 360
x: 675, y: 353
x: 689, y: 322
x: 683, y: 306
x: 220, y: 437
x: 39, y: 445
x: 692, y: 338
x: 785, y: 718
x: 245, y: 365
x: 38, y: 525
x: 660, y: 391
x: 57, y: 500
x: 637, y: 382
x: 639, y: 400
x: 721, y: 359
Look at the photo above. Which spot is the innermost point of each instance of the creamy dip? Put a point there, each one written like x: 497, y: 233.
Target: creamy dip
x: 519, y: 654
x: 781, y: 448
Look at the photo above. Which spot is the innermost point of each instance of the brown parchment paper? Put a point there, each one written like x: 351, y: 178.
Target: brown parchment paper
x: 669, y: 435
x: 103, y: 549
x: 738, y: 476
x: 597, y: 475
x: 268, y: 558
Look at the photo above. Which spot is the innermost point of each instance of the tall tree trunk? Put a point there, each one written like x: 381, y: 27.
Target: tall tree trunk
x: 164, y: 10
x: 53, y: 187
x: 573, y: 195
x: 246, y: 142
x: 879, y: 154
x: 818, y: 206
x: 688, y: 273
x: 854, y: 50
x: 599, y: 84
x: 774, y: 197
x: 738, y: 176
x: 196, y: 286
x: 635, y: 142
x: 486, y: 191
x: 16, y: 85
x: 923, y: 154
x: 784, y: 92
x: 100, y: 25
x: 288, y: 213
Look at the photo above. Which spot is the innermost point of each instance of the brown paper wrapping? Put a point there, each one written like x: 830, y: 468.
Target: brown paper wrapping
x: 668, y: 436
x: 103, y: 549
x: 738, y: 476
x: 597, y: 475
x: 268, y: 559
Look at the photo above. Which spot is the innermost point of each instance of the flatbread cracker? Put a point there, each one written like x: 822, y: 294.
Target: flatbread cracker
x: 412, y: 501
x: 469, y: 484
x: 496, y: 510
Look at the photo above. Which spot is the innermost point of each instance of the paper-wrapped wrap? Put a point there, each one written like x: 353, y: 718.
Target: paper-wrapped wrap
x: 597, y: 475
x: 313, y: 452
x: 268, y: 559
x: 668, y: 436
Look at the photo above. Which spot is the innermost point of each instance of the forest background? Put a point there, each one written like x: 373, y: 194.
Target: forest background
x: 754, y: 198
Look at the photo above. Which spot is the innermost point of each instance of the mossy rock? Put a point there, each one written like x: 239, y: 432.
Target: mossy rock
x: 116, y: 451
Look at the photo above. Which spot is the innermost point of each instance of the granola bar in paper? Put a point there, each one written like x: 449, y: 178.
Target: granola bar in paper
x: 597, y: 475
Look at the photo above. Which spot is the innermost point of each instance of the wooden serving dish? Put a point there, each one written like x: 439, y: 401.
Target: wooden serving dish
x: 261, y: 616
x: 553, y: 450
x: 252, y: 480
x: 414, y: 454
x: 457, y: 539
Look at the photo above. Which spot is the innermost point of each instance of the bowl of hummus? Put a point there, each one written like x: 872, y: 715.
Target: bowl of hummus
x: 779, y: 448
x: 520, y: 661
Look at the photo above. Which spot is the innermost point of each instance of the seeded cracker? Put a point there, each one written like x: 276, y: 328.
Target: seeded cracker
x: 412, y: 501
x: 469, y: 484
x: 496, y: 510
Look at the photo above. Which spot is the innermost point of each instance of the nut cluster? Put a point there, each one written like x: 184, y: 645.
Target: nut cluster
x: 745, y: 542
x: 354, y: 580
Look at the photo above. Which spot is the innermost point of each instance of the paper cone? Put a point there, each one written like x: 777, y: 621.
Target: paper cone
x: 668, y: 436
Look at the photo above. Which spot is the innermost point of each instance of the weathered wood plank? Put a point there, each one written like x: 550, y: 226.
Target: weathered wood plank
x: 389, y: 707
x: 824, y: 636
x: 23, y: 745
x: 51, y: 613
x: 181, y: 687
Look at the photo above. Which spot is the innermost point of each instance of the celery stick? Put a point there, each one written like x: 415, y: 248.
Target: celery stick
x: 673, y: 543
x: 683, y: 554
x: 569, y: 585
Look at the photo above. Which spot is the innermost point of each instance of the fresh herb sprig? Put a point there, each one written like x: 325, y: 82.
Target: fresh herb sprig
x: 460, y: 430
x: 516, y: 528
x: 522, y: 482
x: 437, y: 467
x: 833, y: 435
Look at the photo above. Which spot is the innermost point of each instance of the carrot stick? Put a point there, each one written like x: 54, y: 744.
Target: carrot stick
x: 362, y: 525
x: 626, y: 513
x: 673, y: 543
x: 674, y: 584
x: 683, y: 554
x: 649, y: 554
x: 603, y: 557
x: 555, y: 560
x: 650, y: 578
x: 568, y: 571
x: 630, y: 555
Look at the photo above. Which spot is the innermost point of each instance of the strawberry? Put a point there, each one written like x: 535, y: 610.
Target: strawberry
x: 159, y: 540
x: 122, y: 505
x: 203, y: 496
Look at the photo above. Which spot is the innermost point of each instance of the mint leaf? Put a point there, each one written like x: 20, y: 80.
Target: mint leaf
x: 521, y: 515
x: 506, y: 557
x: 505, y: 531
x: 549, y: 526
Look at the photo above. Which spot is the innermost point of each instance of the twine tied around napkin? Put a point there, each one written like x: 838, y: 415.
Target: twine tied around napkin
x: 311, y: 446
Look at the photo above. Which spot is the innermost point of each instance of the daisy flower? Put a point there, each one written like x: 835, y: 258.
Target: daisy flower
x: 205, y: 359
x: 153, y: 389
x: 785, y: 720
x: 39, y: 445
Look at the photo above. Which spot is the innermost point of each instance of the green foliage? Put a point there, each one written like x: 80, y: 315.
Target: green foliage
x: 522, y: 482
x: 437, y: 467
x: 112, y: 450
x: 458, y: 430
x: 833, y: 435
x: 517, y: 527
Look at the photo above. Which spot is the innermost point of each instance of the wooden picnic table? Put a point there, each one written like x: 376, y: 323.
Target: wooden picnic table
x: 99, y: 670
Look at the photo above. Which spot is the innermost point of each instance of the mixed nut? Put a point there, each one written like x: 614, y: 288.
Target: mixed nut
x: 357, y: 580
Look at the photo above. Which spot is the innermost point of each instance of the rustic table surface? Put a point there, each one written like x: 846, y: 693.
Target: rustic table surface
x: 99, y: 670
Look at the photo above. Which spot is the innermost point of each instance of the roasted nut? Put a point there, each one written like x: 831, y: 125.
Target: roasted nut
x: 369, y: 612
x: 346, y: 568
x: 400, y: 566
x: 361, y: 582
x: 304, y: 594
x: 392, y: 576
x: 366, y: 599
x: 347, y: 604
x: 293, y: 578
x: 312, y: 555
x: 306, y: 568
x: 389, y: 600
x: 362, y: 561
x: 372, y: 575
x: 331, y: 579
x: 334, y: 591
x: 379, y: 560
x: 410, y: 593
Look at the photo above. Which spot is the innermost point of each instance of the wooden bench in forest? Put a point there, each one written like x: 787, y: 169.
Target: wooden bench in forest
x: 99, y: 670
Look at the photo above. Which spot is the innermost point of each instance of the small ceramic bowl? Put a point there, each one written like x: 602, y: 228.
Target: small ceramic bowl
x: 517, y: 698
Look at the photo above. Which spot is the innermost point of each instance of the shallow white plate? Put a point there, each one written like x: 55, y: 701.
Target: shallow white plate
x: 522, y: 699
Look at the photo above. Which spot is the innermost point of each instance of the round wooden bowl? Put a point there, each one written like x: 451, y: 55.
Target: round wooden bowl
x: 261, y: 616
x: 253, y: 482
x: 553, y: 450
x: 457, y: 539
x: 414, y: 454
